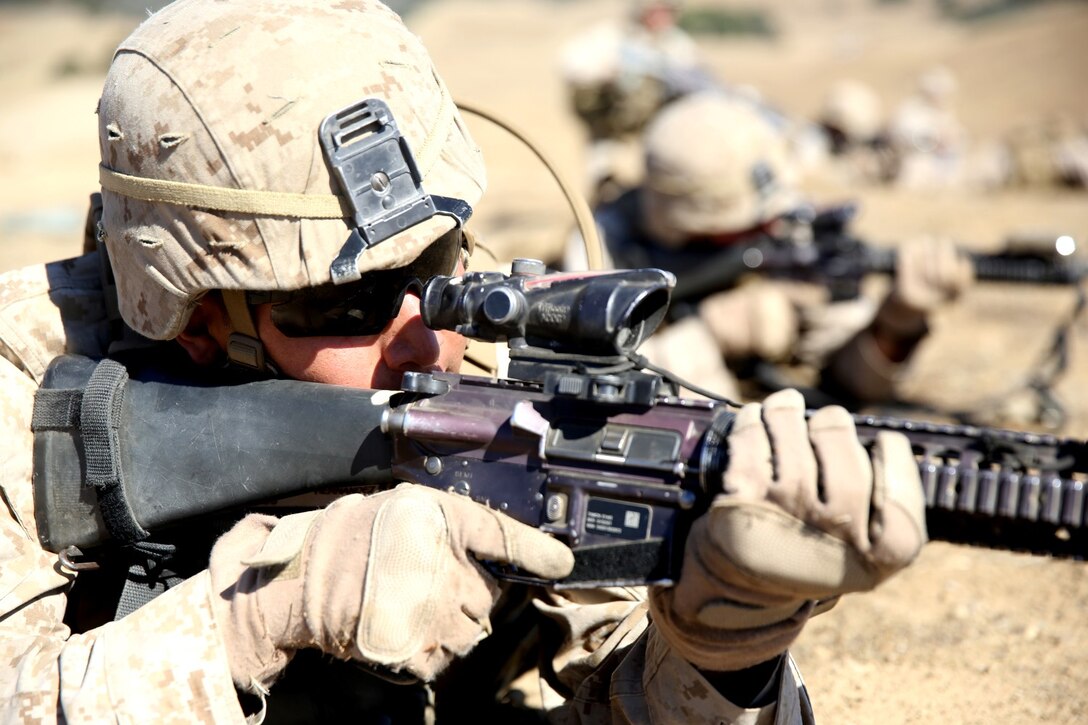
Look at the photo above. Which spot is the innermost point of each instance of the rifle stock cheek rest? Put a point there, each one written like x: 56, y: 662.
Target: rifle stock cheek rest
x: 184, y: 450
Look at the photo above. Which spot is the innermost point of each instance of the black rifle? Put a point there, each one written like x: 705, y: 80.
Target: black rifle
x: 578, y: 442
x: 819, y: 247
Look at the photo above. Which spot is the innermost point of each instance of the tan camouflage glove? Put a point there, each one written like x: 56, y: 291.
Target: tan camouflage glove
x: 929, y: 274
x: 806, y: 516
x: 390, y: 579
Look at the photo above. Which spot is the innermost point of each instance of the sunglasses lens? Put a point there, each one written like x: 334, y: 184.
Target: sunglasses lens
x: 364, y: 307
x: 325, y: 311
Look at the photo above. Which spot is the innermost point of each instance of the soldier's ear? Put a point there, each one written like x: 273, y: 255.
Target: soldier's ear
x: 205, y: 336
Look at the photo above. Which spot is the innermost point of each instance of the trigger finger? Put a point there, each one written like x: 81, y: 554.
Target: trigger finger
x: 948, y: 267
x: 907, y: 262
x: 494, y: 536
x: 934, y: 261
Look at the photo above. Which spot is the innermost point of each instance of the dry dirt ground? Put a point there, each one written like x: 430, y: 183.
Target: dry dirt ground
x: 964, y: 636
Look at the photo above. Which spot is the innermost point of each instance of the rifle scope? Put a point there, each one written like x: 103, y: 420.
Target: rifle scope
x: 586, y: 313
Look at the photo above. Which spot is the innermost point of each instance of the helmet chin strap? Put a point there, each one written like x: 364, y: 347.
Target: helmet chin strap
x: 244, y: 346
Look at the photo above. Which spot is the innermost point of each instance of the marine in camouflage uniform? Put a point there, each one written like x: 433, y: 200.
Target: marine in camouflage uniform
x: 1053, y: 153
x: 852, y: 120
x: 926, y: 136
x: 216, y: 199
x: 718, y: 175
x: 618, y: 75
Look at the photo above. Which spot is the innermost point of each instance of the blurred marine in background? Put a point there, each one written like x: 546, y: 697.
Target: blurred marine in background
x: 618, y: 75
x: 718, y: 178
x: 853, y: 120
x: 929, y: 141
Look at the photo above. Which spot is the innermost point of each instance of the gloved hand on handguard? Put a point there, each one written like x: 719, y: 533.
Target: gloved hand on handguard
x: 806, y: 515
x: 930, y: 273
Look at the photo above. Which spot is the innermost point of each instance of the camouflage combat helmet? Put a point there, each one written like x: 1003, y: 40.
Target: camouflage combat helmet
x: 713, y: 166
x: 213, y: 174
x: 852, y: 109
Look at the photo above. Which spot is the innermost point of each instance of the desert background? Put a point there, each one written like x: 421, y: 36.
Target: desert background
x: 965, y: 635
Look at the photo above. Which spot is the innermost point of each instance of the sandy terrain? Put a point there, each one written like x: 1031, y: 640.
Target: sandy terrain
x: 965, y: 636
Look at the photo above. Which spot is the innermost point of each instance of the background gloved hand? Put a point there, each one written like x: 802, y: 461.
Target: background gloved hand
x: 390, y: 579
x: 929, y: 273
x: 828, y: 327
x: 688, y: 349
x: 806, y: 515
x: 753, y: 320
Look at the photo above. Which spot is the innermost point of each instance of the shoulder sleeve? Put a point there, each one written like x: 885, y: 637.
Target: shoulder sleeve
x: 48, y: 310
x: 672, y: 690
x: 31, y: 331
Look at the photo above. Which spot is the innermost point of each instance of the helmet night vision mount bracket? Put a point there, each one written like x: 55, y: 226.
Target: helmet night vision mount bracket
x: 380, y: 180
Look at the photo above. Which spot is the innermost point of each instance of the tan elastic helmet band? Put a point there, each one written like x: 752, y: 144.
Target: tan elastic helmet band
x: 326, y: 206
x: 220, y: 198
x: 244, y: 346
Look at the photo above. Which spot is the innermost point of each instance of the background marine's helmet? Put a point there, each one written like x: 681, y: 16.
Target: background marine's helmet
x: 713, y: 166
x: 854, y: 110
x: 223, y: 101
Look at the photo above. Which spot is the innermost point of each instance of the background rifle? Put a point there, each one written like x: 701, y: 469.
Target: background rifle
x: 826, y: 252
x: 579, y: 441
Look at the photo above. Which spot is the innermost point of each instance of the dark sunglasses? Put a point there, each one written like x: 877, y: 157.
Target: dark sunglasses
x: 359, y: 308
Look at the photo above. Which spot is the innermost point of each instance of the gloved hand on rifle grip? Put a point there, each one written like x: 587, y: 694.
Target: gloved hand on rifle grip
x: 805, y: 515
x: 390, y: 579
